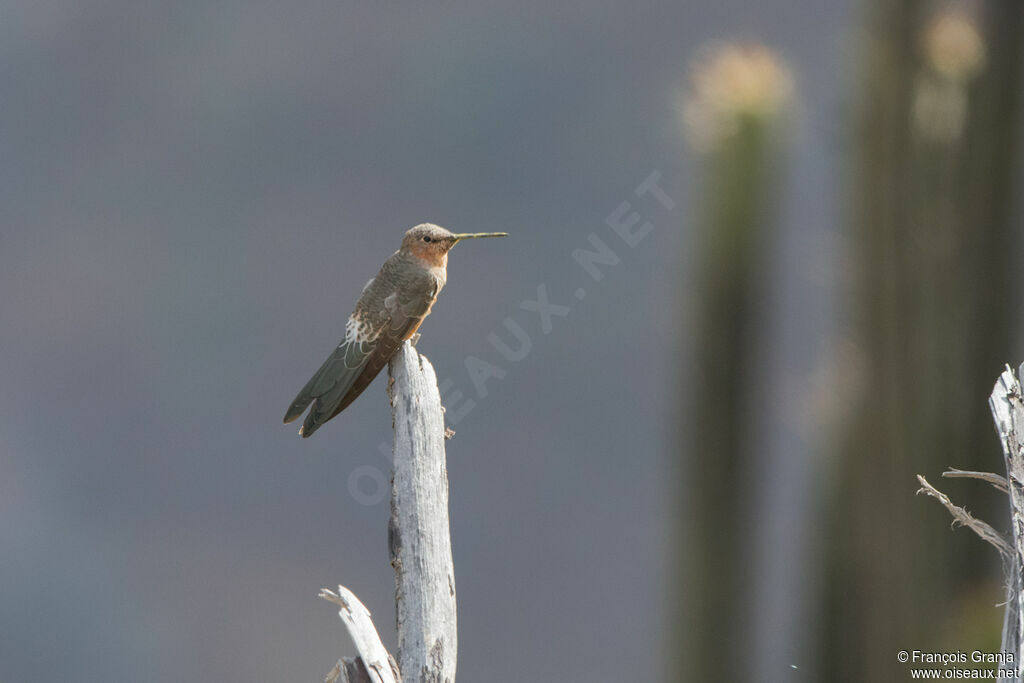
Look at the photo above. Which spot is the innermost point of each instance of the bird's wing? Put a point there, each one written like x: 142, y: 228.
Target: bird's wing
x: 370, y: 342
x: 341, y: 367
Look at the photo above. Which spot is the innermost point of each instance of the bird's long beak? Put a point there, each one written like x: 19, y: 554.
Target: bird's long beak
x: 473, y: 235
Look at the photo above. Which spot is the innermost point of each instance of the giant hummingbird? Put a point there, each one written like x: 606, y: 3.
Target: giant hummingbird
x: 389, y: 311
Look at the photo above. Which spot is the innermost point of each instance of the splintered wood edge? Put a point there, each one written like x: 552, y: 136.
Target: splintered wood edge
x: 1008, y: 414
x: 357, y: 620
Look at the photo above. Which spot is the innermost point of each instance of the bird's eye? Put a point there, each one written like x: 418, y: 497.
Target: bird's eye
x: 427, y: 238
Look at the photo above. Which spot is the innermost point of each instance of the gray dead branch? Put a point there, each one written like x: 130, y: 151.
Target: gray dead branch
x: 1007, y: 407
x: 419, y: 543
x: 374, y: 664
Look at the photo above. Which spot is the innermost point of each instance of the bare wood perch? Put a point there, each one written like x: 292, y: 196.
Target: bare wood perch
x: 1007, y: 405
x: 1008, y: 413
x: 418, y: 535
x: 419, y: 542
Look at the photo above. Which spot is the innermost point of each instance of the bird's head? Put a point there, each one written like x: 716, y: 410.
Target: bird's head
x: 431, y: 243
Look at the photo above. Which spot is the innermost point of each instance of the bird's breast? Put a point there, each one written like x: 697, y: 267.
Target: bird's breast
x: 440, y: 274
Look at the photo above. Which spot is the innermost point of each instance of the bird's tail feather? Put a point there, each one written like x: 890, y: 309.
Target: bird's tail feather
x: 306, y: 395
x: 309, y: 425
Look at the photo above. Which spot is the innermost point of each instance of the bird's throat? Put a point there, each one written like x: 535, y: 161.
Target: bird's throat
x: 431, y: 258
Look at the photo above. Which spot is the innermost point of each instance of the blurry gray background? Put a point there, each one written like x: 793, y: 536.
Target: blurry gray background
x: 193, y: 195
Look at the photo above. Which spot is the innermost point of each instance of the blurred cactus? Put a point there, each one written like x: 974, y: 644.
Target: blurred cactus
x: 733, y: 84
x: 933, y: 320
x: 954, y: 54
x: 733, y: 112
